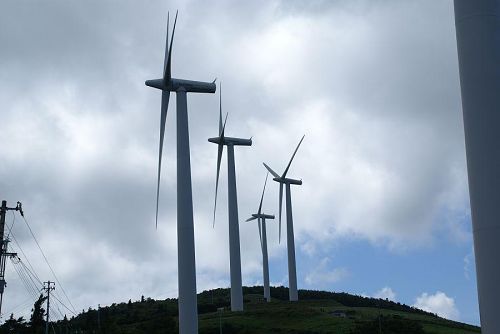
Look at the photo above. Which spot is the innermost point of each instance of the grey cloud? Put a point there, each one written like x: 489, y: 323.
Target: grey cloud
x: 373, y: 85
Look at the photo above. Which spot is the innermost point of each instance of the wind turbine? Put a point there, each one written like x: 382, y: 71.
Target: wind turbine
x: 290, y: 241
x: 188, y: 314
x: 261, y: 221
x: 234, y: 228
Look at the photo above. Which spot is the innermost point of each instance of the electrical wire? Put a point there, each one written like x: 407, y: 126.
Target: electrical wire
x: 28, y: 275
x: 48, y: 264
x: 24, y: 255
x: 31, y: 275
x: 67, y: 308
x: 30, y: 282
x: 21, y: 306
x: 36, y: 287
x: 55, y: 308
x: 26, y: 284
x: 11, y: 225
x: 29, y: 278
x: 28, y: 287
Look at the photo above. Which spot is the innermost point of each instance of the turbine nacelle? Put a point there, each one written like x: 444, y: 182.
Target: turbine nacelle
x: 231, y: 141
x: 286, y: 180
x: 262, y: 215
x: 189, y: 86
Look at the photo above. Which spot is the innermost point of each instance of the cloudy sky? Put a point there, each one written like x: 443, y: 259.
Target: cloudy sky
x: 383, y: 210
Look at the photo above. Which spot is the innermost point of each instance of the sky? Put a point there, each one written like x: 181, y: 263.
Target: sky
x: 383, y: 210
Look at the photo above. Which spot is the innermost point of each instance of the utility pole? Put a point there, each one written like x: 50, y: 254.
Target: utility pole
x: 3, y: 245
x: 48, y: 286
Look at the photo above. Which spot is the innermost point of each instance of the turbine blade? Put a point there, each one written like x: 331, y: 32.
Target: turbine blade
x: 168, y: 70
x: 262, y: 197
x: 219, y: 158
x: 220, y: 108
x: 293, y: 155
x: 165, y: 97
x: 165, y: 60
x: 281, y: 202
x: 270, y: 170
x: 260, y: 233
x: 250, y: 219
x: 223, y: 127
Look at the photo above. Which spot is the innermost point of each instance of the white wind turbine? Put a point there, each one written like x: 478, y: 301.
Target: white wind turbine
x: 188, y: 313
x: 261, y: 221
x: 234, y: 228
x: 290, y: 241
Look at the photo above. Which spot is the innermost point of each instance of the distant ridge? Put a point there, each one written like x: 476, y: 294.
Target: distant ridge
x: 317, y: 312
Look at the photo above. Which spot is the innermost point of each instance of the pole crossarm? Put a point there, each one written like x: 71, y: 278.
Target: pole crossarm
x: 19, y: 207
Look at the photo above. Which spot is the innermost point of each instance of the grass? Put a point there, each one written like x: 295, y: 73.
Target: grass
x: 314, y: 316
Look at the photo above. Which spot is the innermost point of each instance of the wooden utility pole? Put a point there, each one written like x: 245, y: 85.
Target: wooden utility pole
x: 48, y: 286
x: 3, y: 246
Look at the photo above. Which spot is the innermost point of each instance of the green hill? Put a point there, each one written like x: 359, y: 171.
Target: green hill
x: 316, y: 312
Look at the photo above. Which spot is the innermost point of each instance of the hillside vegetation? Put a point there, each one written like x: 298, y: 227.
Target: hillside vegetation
x: 317, y: 312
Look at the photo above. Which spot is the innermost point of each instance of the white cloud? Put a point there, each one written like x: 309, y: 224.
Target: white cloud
x: 438, y: 303
x: 385, y: 293
x: 469, y: 264
x: 324, y: 274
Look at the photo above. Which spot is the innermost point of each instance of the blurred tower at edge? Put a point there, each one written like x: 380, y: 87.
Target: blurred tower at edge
x: 478, y: 42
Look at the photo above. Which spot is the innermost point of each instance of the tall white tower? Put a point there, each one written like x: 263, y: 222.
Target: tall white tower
x: 478, y: 39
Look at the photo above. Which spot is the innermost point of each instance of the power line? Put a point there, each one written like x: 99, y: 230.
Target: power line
x: 30, y: 274
x: 64, y: 305
x: 21, y: 307
x: 33, y: 276
x: 31, y: 291
x: 11, y: 225
x: 25, y: 257
x: 59, y: 313
x: 27, y: 274
x: 28, y: 279
x: 48, y: 264
x: 24, y: 280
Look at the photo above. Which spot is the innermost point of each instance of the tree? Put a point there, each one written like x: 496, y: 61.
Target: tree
x: 37, y: 313
x: 13, y: 325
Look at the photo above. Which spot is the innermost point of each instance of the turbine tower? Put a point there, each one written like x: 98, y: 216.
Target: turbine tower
x: 478, y: 43
x: 290, y: 241
x: 188, y: 314
x: 261, y: 221
x: 234, y: 228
